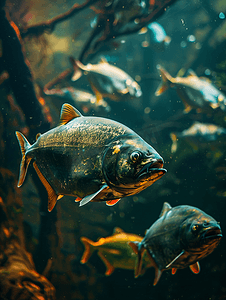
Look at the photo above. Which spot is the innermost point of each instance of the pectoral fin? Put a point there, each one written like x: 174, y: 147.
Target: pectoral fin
x: 92, y: 196
x: 195, y: 268
x: 179, y: 255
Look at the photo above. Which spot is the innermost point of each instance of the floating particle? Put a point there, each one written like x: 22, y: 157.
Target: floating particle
x: 221, y: 15
x: 183, y: 44
x: 191, y: 38
x: 207, y: 72
x: 147, y: 110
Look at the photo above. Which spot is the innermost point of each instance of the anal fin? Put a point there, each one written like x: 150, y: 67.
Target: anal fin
x: 110, y: 268
x: 52, y: 196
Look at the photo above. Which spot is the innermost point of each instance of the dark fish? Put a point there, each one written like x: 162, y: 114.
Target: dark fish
x: 179, y: 238
x: 198, y: 133
x: 115, y: 251
x: 95, y: 159
x: 107, y: 80
x: 195, y: 92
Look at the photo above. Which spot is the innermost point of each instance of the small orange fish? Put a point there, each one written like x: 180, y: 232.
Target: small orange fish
x: 195, y: 92
x: 115, y: 251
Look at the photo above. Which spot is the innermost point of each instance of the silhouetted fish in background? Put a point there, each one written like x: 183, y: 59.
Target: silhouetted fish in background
x: 108, y: 81
x: 83, y: 99
x: 195, y: 92
x: 156, y: 36
x: 95, y: 159
x: 115, y: 251
x: 179, y: 238
x: 198, y: 133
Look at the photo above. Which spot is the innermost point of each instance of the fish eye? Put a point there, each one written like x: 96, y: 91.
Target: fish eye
x: 135, y: 156
x: 195, y: 227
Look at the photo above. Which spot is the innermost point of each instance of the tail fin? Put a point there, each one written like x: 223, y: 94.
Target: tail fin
x: 77, y: 65
x: 88, y: 249
x: 167, y: 79
x: 174, y: 142
x: 139, y: 252
x: 24, y: 146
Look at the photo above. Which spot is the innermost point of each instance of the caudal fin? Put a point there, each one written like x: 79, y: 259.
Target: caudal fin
x: 88, y: 249
x: 24, y: 146
x: 167, y: 79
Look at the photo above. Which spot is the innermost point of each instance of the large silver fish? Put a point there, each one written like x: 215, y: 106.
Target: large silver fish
x: 195, y: 92
x: 92, y: 158
x: 107, y: 80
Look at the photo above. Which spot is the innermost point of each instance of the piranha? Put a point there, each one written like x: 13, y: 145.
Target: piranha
x: 198, y: 133
x: 179, y: 238
x: 92, y: 158
x: 195, y: 92
x: 115, y: 251
x: 107, y: 80
x: 83, y: 99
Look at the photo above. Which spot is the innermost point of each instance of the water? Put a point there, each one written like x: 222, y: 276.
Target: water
x: 196, y: 171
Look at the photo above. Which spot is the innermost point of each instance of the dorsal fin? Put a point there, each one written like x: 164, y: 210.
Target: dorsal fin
x: 103, y: 60
x: 191, y: 73
x: 68, y: 113
x: 118, y: 230
x: 166, y: 207
x: 38, y: 136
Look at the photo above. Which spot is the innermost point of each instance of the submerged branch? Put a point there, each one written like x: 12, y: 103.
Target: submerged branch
x: 111, y: 29
x: 20, y: 76
x: 38, y: 29
x: 18, y: 277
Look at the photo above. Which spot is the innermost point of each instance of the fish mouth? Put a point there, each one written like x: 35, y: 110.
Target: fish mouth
x: 212, y: 233
x: 153, y: 170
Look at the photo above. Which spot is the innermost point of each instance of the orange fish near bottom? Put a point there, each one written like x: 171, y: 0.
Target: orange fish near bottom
x: 115, y: 251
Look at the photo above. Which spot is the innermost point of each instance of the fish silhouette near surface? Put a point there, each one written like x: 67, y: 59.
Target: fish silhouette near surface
x: 195, y: 92
x: 115, y: 251
x: 178, y: 239
x: 197, y: 134
x: 92, y: 158
x: 108, y: 81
